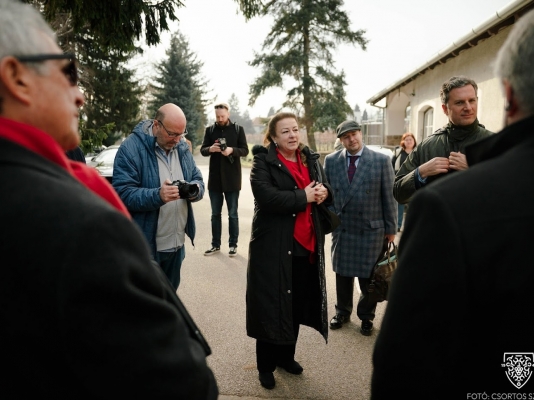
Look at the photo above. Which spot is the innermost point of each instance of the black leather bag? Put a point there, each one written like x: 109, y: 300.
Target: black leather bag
x: 328, y: 219
x: 382, y: 273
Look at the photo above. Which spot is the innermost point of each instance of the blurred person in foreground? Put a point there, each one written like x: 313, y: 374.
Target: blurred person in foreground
x: 458, y: 318
x: 407, y: 144
x: 285, y: 279
x: 147, y: 166
x: 443, y: 152
x: 362, y: 181
x: 84, y: 312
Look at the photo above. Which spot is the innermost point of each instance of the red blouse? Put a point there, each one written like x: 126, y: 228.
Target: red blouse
x: 304, y: 231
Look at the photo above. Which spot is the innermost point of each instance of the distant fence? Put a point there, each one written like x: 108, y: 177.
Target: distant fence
x: 324, y: 141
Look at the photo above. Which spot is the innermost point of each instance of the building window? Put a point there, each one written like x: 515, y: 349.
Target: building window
x: 407, y: 116
x: 428, y: 126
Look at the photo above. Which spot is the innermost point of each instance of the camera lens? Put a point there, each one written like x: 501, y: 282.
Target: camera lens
x: 188, y: 191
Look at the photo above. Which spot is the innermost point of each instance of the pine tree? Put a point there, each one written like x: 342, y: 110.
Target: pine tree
x: 112, y: 94
x: 235, y: 112
x: 178, y: 80
x: 114, y: 23
x: 247, y: 123
x: 299, y: 48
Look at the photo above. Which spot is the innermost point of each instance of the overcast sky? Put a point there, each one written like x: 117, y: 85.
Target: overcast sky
x: 402, y: 35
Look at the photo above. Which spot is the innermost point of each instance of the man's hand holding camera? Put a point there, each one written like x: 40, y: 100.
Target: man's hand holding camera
x: 168, y: 191
x: 171, y: 191
x: 220, y: 146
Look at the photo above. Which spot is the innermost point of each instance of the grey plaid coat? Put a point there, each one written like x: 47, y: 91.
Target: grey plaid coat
x: 366, y: 207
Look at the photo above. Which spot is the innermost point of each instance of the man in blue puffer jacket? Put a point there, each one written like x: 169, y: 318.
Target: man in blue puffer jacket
x: 147, y: 163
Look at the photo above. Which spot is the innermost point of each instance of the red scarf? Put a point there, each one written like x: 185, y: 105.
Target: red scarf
x: 304, y: 232
x: 43, y: 144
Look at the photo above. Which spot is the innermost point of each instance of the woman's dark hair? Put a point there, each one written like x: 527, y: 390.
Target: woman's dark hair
x: 271, y: 132
x: 271, y: 126
x: 404, y: 136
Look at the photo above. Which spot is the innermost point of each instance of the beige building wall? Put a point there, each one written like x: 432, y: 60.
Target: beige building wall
x: 423, y: 92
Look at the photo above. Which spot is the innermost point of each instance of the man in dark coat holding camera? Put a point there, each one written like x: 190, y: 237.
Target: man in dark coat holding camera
x: 225, y: 143
x: 147, y: 164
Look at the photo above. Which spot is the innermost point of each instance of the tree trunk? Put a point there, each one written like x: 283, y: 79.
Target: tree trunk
x: 306, y: 95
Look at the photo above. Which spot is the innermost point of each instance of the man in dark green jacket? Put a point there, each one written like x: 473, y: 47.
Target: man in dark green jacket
x: 443, y: 152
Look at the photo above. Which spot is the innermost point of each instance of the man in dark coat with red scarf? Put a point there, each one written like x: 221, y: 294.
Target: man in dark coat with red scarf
x: 84, y: 313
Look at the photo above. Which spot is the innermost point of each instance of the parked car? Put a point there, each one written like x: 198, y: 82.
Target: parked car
x: 103, y: 162
x: 381, y: 149
x: 93, y: 153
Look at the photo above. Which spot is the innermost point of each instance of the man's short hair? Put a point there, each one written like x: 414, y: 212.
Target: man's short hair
x: 515, y: 60
x: 21, y: 29
x: 455, y: 82
x: 222, y: 105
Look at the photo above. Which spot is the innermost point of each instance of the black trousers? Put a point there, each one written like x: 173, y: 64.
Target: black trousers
x: 345, y: 292
x: 269, y: 355
x: 306, y: 299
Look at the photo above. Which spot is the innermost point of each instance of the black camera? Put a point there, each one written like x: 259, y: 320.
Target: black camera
x: 186, y: 189
x: 222, y: 142
x: 224, y: 146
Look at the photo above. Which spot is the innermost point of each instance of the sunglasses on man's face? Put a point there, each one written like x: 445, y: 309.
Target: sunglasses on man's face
x: 220, y: 107
x: 70, y: 70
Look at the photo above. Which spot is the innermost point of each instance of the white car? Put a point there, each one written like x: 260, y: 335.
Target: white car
x: 380, y: 149
x: 103, y: 162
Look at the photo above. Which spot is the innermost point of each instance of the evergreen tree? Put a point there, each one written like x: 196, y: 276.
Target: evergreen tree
x: 112, y: 94
x: 271, y: 112
x: 178, y: 80
x: 299, y: 47
x: 247, y: 123
x: 114, y: 23
x: 235, y: 114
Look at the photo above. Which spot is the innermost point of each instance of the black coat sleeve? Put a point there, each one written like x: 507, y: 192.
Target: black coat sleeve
x: 422, y: 333
x: 274, y: 189
x: 123, y: 332
x: 207, y: 142
x: 242, y: 147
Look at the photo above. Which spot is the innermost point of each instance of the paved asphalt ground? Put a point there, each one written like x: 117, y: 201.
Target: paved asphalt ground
x: 213, y: 290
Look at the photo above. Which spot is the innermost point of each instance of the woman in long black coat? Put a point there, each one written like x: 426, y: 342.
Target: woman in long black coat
x: 285, y: 278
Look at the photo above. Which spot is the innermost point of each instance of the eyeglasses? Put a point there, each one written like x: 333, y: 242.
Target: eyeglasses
x: 220, y: 106
x: 70, y: 70
x: 172, y: 134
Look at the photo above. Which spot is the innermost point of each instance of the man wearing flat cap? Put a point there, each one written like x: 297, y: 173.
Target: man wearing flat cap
x: 225, y: 143
x: 362, y: 183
